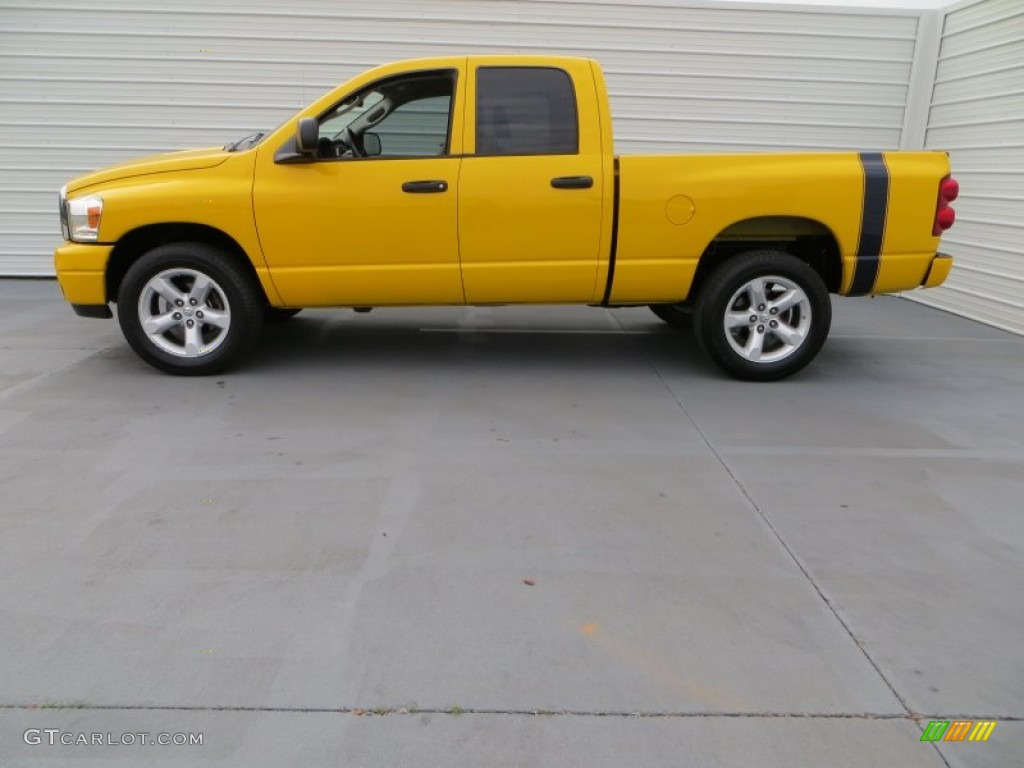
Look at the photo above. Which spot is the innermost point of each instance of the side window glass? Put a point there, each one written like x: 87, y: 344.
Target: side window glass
x: 417, y: 128
x: 403, y: 116
x: 525, y: 111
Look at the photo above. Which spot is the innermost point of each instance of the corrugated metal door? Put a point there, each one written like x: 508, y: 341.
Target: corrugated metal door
x: 89, y: 83
x: 977, y: 113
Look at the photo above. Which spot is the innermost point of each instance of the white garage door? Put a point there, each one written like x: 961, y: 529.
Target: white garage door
x: 89, y: 83
x: 977, y: 113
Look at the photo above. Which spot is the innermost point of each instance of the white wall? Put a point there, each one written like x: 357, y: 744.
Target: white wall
x: 977, y: 113
x: 89, y: 83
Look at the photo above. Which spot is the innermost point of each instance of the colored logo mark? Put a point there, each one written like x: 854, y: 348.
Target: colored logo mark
x: 958, y: 730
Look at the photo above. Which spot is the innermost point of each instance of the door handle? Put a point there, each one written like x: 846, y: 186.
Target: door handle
x: 572, y: 182
x: 422, y: 187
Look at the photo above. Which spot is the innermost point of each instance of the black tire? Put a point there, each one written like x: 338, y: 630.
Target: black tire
x: 676, y: 315
x: 754, y: 349
x: 232, y: 295
x: 273, y: 315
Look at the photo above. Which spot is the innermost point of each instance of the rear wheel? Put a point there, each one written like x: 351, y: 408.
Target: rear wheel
x: 189, y: 309
x: 676, y: 315
x: 763, y: 315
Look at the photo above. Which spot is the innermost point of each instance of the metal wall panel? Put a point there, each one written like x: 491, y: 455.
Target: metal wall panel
x: 90, y: 83
x: 977, y: 113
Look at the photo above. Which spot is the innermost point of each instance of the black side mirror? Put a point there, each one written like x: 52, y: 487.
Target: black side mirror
x: 307, y: 136
x: 371, y: 145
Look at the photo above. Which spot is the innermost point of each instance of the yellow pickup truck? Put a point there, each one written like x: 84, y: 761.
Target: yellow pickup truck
x: 492, y: 180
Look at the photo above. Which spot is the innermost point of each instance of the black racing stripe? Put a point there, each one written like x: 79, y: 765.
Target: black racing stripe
x: 872, y: 225
x: 615, y: 239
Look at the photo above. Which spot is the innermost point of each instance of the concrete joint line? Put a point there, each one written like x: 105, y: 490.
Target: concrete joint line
x: 782, y: 542
x: 370, y: 711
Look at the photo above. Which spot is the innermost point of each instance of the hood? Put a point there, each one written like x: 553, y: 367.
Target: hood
x: 186, y: 160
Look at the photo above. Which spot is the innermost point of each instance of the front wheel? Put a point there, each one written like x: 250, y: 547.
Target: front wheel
x: 763, y: 315
x: 189, y: 309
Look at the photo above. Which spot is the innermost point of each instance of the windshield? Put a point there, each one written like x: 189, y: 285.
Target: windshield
x: 246, y: 142
x: 250, y: 141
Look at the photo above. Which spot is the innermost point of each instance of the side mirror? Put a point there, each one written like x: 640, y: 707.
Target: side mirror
x: 371, y: 145
x: 307, y: 136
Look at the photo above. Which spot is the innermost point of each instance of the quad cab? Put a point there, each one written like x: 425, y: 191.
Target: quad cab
x: 476, y: 180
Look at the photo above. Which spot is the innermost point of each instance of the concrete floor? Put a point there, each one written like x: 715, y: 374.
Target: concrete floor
x: 511, y: 537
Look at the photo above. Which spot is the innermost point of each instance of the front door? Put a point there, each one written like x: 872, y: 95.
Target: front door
x: 531, y: 186
x: 373, y: 219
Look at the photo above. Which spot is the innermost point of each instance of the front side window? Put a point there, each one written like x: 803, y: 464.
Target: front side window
x: 525, y: 111
x: 404, y: 116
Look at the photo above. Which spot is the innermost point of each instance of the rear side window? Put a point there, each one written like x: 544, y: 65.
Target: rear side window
x: 525, y: 111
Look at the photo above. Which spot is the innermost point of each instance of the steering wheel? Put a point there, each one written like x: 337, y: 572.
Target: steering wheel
x: 350, y: 139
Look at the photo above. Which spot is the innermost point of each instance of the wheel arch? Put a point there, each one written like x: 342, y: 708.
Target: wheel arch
x: 140, y: 241
x: 808, y: 239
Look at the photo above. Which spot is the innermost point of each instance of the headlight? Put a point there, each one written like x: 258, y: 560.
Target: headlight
x: 83, y: 218
x: 62, y: 206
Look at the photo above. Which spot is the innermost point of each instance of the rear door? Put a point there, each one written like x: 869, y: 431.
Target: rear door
x: 531, y: 185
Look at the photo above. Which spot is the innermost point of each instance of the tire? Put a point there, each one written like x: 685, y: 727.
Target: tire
x: 181, y: 283
x: 770, y: 338
x: 676, y: 315
x: 273, y: 315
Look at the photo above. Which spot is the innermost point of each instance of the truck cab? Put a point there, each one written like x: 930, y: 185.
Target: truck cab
x: 468, y: 180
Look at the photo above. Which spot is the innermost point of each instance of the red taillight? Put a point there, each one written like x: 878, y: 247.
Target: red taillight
x: 949, y: 189
x: 944, y: 219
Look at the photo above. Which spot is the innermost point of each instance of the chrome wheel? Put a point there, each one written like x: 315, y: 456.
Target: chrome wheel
x: 184, y: 312
x: 767, y: 319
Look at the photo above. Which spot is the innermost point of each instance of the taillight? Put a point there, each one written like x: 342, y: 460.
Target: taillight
x: 949, y: 189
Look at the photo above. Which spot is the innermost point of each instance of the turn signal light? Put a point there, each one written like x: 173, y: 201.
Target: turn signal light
x: 84, y: 215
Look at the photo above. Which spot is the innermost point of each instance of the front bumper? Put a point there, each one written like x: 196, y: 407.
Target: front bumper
x: 81, y: 272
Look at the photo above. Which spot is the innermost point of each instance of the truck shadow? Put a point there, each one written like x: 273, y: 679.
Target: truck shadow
x: 325, y: 343
x: 321, y: 343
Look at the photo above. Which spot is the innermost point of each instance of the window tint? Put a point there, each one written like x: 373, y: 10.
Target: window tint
x: 408, y: 116
x: 525, y: 111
